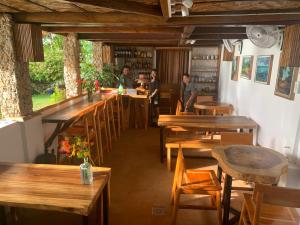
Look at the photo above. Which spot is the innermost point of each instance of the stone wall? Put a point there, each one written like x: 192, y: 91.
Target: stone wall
x: 71, y: 65
x: 97, y: 55
x: 15, y: 87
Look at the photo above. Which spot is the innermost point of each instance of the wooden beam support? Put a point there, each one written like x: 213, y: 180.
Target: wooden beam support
x: 116, y: 36
x: 88, y: 18
x: 165, y: 6
x: 123, y: 6
x: 120, y: 30
x: 219, y: 30
x: 187, y: 31
x: 217, y: 36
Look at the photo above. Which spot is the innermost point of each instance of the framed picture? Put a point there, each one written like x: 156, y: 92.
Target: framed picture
x: 235, y: 68
x: 263, y: 69
x: 247, y: 64
x: 285, y: 84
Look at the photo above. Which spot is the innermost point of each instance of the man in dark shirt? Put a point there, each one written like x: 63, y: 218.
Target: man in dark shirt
x: 125, y: 78
x: 188, y: 93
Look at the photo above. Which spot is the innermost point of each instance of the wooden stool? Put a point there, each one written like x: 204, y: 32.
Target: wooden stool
x: 195, y: 182
x: 117, y: 114
x: 110, y: 120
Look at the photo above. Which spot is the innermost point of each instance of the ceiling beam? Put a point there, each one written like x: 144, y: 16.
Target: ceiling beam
x: 206, y: 43
x: 117, y: 36
x: 123, y: 6
x: 217, y: 36
x: 87, y: 18
x: 165, y: 6
x: 134, y: 30
x: 220, y: 30
x: 187, y: 31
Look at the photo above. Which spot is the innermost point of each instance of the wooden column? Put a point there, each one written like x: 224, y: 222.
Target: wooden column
x: 290, y: 55
x: 71, y: 65
x: 97, y: 55
x: 228, y: 56
x: 15, y: 86
x: 107, y: 54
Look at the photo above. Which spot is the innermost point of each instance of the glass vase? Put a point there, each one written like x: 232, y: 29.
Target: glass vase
x: 86, y: 173
x: 90, y: 96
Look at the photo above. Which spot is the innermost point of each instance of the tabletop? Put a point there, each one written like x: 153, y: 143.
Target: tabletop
x: 221, y: 122
x: 75, y: 110
x: 50, y: 187
x: 212, y: 105
x: 251, y: 163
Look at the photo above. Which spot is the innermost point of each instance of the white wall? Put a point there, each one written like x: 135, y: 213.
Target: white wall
x: 278, y: 118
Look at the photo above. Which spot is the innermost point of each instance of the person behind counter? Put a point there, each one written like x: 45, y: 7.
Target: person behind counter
x: 154, y: 95
x: 125, y: 78
x: 188, y: 93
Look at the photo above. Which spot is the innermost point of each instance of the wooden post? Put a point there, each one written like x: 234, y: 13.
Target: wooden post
x: 71, y: 65
x: 15, y: 86
x: 97, y: 55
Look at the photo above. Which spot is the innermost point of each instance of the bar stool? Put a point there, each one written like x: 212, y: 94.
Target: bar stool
x: 110, y: 120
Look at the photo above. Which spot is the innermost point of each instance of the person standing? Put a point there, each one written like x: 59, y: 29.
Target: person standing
x: 125, y: 78
x: 188, y: 93
x: 154, y: 96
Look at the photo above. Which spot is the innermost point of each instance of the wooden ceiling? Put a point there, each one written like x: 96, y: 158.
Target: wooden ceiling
x: 150, y: 22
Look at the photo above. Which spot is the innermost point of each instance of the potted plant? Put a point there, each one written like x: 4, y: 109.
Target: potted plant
x: 78, y: 148
x: 108, y: 76
x: 89, y: 81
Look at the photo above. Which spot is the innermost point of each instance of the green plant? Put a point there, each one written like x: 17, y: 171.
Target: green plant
x: 59, y: 94
x: 89, y: 76
x: 108, y: 76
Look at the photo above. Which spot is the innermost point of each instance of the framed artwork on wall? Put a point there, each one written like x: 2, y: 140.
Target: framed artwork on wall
x: 263, y: 69
x: 235, y: 68
x: 285, y: 83
x: 247, y: 64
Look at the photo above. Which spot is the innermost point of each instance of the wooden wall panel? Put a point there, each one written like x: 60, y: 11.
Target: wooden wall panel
x: 228, y: 56
x: 290, y: 55
x: 107, y: 54
x: 29, y: 42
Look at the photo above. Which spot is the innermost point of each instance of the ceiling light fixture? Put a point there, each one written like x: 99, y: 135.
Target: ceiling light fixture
x: 184, y: 11
x: 187, y: 3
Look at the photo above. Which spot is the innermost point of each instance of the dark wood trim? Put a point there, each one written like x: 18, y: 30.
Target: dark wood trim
x: 219, y: 30
x: 123, y: 6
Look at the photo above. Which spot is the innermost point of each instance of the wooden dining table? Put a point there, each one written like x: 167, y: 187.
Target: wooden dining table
x: 64, y: 117
x: 55, y: 188
x: 248, y: 163
x: 212, y: 123
x: 213, y: 107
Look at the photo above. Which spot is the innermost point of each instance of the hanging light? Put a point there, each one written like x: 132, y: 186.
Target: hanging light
x: 187, y: 3
x: 184, y: 11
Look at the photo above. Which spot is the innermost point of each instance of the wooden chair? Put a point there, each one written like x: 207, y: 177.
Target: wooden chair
x: 112, y: 135
x: 195, y: 182
x: 117, y: 112
x: 200, y: 99
x: 196, y: 142
x: 86, y: 127
x: 179, y: 110
x: 234, y: 138
x: 271, y: 205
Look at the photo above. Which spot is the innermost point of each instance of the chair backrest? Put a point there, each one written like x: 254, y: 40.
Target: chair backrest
x: 180, y: 168
x: 178, y: 108
x: 204, y: 99
x: 233, y: 138
x: 280, y: 196
x: 225, y: 112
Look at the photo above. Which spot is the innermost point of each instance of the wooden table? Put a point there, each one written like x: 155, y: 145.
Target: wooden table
x: 248, y: 163
x: 214, y: 107
x: 55, y: 188
x: 64, y: 117
x: 205, y: 123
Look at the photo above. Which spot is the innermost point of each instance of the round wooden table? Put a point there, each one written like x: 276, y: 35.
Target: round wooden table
x: 214, y: 107
x: 248, y: 163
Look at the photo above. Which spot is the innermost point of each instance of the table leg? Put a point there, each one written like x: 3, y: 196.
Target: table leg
x: 254, y: 136
x: 3, y: 220
x: 106, y: 204
x: 161, y: 144
x: 219, y: 174
x: 146, y: 114
x: 53, y: 135
x: 226, y: 198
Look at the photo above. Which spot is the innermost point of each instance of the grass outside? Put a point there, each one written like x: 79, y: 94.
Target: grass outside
x: 43, y: 100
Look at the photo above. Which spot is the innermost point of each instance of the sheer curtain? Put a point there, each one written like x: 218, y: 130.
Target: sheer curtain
x: 172, y: 64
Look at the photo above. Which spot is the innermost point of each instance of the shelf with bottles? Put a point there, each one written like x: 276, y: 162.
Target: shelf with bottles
x: 204, y: 70
x: 204, y: 79
x: 205, y: 57
x: 131, y: 52
x: 139, y: 64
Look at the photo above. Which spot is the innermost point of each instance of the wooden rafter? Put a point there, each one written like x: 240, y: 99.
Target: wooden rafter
x: 217, y: 36
x: 165, y: 6
x: 118, y: 36
x: 123, y: 6
x: 40, y: 5
x: 220, y: 30
x: 187, y: 31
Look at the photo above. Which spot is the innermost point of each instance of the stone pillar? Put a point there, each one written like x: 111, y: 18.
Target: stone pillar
x: 97, y: 55
x: 71, y: 65
x: 15, y: 85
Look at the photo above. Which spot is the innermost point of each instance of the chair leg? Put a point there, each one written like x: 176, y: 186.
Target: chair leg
x: 175, y: 207
x: 219, y: 207
x: 241, y: 222
x: 169, y: 159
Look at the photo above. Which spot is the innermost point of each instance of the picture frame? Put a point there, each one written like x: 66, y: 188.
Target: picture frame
x: 263, y: 71
x: 247, y: 65
x: 235, y: 68
x: 285, y: 82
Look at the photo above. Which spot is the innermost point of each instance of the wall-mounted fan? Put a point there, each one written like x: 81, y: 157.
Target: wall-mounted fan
x: 264, y: 36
